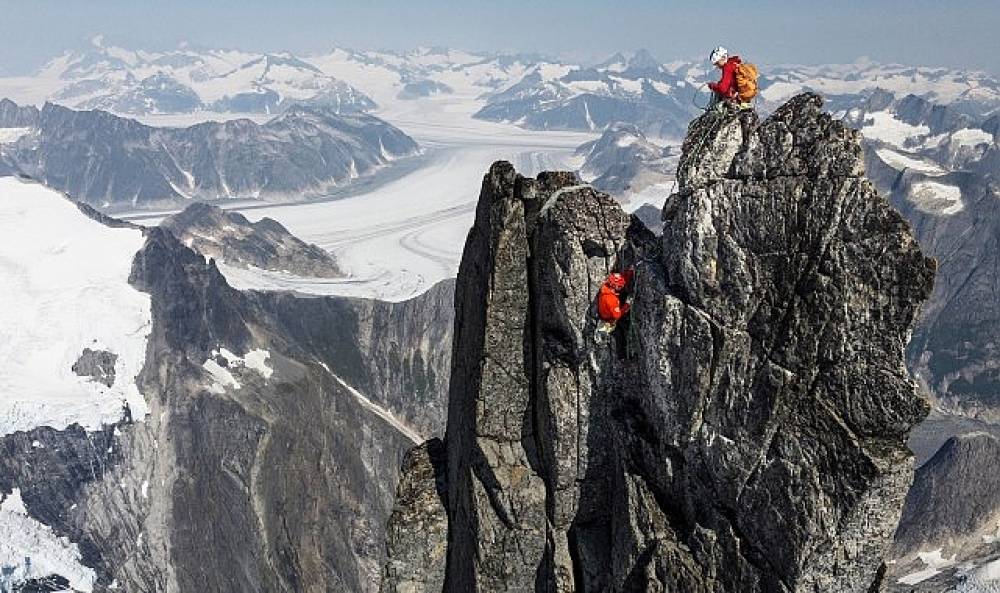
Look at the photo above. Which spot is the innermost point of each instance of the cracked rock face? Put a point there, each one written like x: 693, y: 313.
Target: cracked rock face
x: 745, y: 433
x: 418, y: 526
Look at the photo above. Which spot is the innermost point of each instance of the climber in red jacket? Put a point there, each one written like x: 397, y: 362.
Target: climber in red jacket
x: 726, y: 87
x: 610, y: 307
x: 726, y: 92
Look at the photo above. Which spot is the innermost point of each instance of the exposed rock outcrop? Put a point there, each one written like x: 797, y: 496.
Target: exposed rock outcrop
x: 231, y: 238
x: 746, y: 433
x: 418, y: 528
x: 98, y: 365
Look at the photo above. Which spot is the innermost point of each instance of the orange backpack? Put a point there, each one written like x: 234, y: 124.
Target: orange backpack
x: 746, y: 82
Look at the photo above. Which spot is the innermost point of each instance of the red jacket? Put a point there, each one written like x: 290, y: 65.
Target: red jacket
x: 727, y: 84
x: 610, y: 307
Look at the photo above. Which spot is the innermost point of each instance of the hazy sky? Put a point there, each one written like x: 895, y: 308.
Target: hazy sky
x: 960, y: 33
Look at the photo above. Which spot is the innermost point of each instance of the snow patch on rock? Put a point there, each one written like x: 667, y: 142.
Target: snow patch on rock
x: 901, y: 161
x: 934, y: 563
x: 936, y: 198
x: 223, y: 377
x: 8, y: 135
x: 883, y: 126
x: 257, y: 360
x: 971, y: 137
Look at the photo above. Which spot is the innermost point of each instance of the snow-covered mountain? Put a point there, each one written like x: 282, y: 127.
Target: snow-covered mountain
x: 162, y: 431
x: 972, y: 92
x: 662, y: 98
x: 186, y: 80
x: 625, y: 163
x: 637, y: 90
x: 112, y: 162
x: 532, y: 90
x: 939, y: 166
x: 389, y: 76
x: 231, y: 239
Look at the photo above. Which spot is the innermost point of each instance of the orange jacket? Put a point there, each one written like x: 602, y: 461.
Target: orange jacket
x: 609, y: 302
x: 609, y: 305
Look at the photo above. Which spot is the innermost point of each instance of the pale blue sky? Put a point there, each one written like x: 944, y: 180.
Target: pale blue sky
x: 960, y: 33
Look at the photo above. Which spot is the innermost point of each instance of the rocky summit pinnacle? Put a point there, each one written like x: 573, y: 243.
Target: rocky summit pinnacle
x: 747, y: 433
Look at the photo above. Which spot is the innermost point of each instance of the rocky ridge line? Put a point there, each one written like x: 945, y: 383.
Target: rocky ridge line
x: 749, y: 435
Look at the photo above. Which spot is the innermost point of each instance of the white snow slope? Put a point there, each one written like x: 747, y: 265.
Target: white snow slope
x: 31, y: 550
x: 65, y: 288
x: 934, y: 563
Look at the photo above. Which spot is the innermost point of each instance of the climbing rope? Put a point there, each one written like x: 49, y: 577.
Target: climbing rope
x: 704, y: 138
x: 694, y: 97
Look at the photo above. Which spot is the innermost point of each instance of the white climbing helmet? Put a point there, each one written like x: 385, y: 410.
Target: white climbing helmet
x: 718, y: 54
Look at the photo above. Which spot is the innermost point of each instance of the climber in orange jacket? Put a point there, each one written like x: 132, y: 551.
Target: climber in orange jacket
x: 610, y: 307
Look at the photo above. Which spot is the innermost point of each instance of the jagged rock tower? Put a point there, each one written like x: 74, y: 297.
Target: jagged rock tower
x: 747, y: 434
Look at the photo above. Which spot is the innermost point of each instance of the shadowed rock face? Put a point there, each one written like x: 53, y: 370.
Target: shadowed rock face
x: 746, y: 433
x: 953, y: 506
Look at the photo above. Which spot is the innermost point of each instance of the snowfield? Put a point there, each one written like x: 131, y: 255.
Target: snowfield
x: 65, y: 288
x: 936, y: 198
x: 31, y: 550
x: 885, y: 127
x: 901, y: 161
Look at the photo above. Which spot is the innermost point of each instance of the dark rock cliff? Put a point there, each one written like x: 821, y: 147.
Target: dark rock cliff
x: 953, y: 502
x: 746, y: 431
